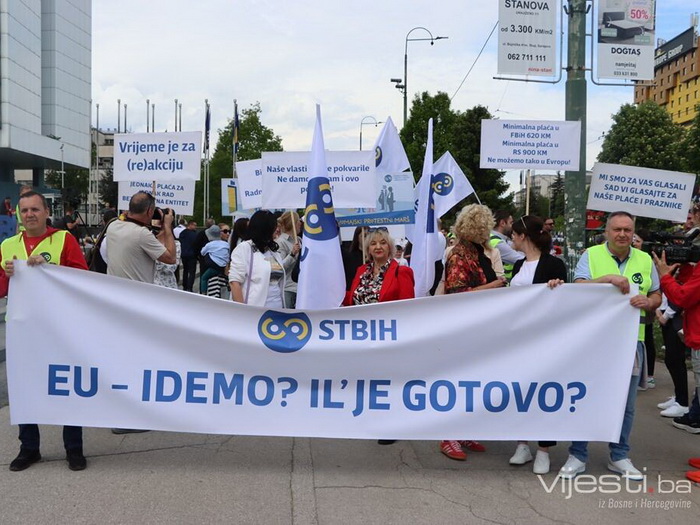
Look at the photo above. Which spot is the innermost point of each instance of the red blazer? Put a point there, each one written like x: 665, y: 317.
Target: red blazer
x: 398, y: 284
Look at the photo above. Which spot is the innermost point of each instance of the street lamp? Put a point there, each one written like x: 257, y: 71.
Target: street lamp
x: 363, y: 123
x: 63, y: 174
x: 404, y: 87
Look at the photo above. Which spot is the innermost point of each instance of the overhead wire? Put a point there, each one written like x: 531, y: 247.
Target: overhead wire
x: 475, y: 61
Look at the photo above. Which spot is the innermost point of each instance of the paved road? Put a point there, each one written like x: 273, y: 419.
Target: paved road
x: 171, y: 478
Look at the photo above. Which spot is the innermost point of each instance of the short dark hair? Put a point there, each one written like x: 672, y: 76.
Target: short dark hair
x: 34, y: 194
x: 501, y: 215
x: 618, y: 214
x: 140, y: 202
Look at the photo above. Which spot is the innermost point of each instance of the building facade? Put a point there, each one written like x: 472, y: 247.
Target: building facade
x: 676, y: 78
x: 45, y: 87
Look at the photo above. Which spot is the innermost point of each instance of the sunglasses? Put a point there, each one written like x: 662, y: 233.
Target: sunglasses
x: 378, y: 229
x: 225, y: 231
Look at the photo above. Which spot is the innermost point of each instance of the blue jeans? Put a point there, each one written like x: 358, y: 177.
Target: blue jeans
x: 619, y: 450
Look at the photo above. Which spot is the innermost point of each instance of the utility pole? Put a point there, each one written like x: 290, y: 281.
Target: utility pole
x: 576, y: 93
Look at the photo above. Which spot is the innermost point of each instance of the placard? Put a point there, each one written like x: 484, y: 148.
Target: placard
x: 535, y: 144
x: 157, y: 156
x: 178, y: 195
x: 641, y: 191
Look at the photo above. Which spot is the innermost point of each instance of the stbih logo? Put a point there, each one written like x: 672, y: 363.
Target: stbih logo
x: 284, y: 333
x: 378, y: 155
x: 320, y: 217
x: 388, y: 178
x: 46, y: 256
x: 442, y: 184
x: 637, y: 278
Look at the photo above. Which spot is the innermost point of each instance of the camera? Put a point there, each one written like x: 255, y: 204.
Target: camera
x: 679, y: 248
x: 158, y: 218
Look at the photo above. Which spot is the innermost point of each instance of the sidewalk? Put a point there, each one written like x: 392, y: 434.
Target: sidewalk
x: 163, y: 477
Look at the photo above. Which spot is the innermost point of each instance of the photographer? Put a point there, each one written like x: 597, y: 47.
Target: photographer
x: 133, y: 249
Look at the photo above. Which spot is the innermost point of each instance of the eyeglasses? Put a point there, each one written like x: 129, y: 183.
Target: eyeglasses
x: 225, y: 231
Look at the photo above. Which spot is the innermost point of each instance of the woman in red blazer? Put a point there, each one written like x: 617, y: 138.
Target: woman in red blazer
x: 382, y: 278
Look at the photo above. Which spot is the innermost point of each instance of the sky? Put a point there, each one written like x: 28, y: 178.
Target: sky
x: 291, y: 55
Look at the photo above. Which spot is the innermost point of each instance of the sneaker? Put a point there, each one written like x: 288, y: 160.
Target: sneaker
x: 572, y: 468
x: 693, y: 475
x: 664, y: 405
x: 651, y: 382
x: 119, y: 431
x: 75, y: 458
x: 474, y: 446
x: 675, y: 410
x: 452, y: 450
x: 626, y: 469
x: 24, y: 460
x: 541, y: 464
x: 694, y: 462
x: 386, y: 441
x: 685, y: 423
x: 521, y: 456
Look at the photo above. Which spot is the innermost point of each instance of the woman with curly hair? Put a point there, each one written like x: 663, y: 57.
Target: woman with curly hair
x: 468, y: 269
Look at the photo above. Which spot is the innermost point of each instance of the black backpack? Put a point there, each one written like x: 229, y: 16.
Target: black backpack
x: 95, y: 261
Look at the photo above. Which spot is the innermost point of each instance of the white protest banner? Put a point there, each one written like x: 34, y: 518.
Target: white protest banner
x: 626, y: 39
x: 527, y: 38
x: 178, y: 196
x: 285, y: 174
x: 530, y: 144
x: 249, y: 174
x: 641, y: 191
x: 394, y: 203
x: 157, y: 156
x: 231, y: 198
x: 417, y: 369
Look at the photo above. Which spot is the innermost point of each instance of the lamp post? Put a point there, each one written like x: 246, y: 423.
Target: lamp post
x: 363, y: 123
x: 404, y: 87
x: 63, y: 173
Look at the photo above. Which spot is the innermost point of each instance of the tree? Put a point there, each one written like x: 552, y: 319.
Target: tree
x: 557, y: 193
x: 108, y: 189
x: 254, y: 138
x: 460, y: 134
x: 691, y: 146
x: 643, y: 135
x: 75, y: 184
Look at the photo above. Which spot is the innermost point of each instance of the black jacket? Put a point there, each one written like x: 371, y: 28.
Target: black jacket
x: 548, y: 267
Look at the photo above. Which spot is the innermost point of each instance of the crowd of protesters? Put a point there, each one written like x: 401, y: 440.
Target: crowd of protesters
x: 256, y: 261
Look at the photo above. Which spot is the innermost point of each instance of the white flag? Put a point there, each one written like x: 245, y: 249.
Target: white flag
x: 321, y: 275
x: 449, y: 185
x: 427, y: 246
x: 390, y: 155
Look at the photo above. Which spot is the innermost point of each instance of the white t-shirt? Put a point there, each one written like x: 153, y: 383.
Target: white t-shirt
x: 526, y: 274
x: 132, y: 251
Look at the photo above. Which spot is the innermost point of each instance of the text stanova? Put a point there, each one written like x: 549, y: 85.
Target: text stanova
x: 637, y: 190
x: 356, y: 395
x: 338, y: 173
x: 172, y: 165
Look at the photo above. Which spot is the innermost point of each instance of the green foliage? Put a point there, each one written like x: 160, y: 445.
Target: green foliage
x: 691, y: 146
x: 459, y: 133
x: 643, y: 135
x: 75, y: 184
x: 254, y: 138
x: 108, y: 189
x: 557, y: 193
